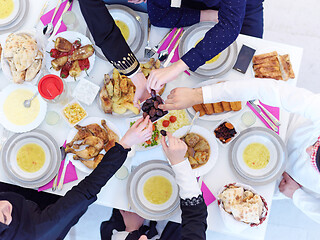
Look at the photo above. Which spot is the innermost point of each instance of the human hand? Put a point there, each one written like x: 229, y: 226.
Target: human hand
x: 137, y: 1
x: 288, y: 186
x: 159, y: 77
x: 176, y: 150
x: 132, y: 220
x: 209, y: 16
x: 182, y: 98
x: 141, y: 93
x: 143, y: 237
x: 139, y: 132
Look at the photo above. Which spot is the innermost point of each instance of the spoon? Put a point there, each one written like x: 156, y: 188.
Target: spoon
x: 164, y: 53
x: 27, y: 103
x: 48, y: 29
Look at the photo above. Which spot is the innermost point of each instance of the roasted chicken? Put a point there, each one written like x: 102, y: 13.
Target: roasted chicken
x: 87, y: 153
x: 92, y: 164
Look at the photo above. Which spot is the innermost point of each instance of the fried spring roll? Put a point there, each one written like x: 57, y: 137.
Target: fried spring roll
x: 218, y: 107
x: 199, y: 108
x: 235, y: 106
x: 226, y: 106
x: 208, y: 108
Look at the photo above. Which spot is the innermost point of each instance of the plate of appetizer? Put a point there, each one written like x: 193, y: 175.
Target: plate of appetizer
x: 216, y: 111
x: 87, y: 143
x: 70, y: 55
x: 152, y: 190
x: 22, y: 57
x: 203, y: 149
x: 241, y: 207
x: 117, y: 91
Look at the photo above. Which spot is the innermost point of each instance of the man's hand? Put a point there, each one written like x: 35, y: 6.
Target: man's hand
x: 141, y: 93
x: 176, y: 150
x: 182, y: 98
x: 132, y: 220
x: 139, y: 132
x: 288, y: 186
x: 159, y: 77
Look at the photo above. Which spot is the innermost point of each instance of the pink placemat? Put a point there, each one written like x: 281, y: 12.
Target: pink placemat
x: 207, y: 194
x: 71, y: 175
x: 275, y: 111
x: 165, y: 44
x: 46, y: 18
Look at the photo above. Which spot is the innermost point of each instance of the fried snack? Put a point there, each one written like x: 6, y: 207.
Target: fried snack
x: 262, y: 58
x: 286, y: 66
x: 199, y: 108
x: 217, y: 107
x: 235, y: 106
x: 208, y: 108
x: 75, y: 70
x: 62, y: 44
x: 58, y: 63
x: 226, y: 106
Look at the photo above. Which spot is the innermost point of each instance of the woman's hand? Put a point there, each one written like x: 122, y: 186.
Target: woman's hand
x: 137, y: 1
x: 176, y: 150
x: 159, y: 77
x: 288, y: 186
x: 139, y: 132
x: 182, y: 98
x: 132, y: 220
x: 141, y: 93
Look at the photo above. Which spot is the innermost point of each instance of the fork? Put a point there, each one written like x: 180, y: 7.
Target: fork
x: 155, y: 49
x: 147, y: 48
x: 273, y: 118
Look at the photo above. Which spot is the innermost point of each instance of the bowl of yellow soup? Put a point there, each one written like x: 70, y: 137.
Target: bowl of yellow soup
x: 152, y: 190
x: 13, y: 115
x: 258, y: 156
x: 9, y: 10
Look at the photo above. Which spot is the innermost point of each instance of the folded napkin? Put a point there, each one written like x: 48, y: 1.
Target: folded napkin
x: 165, y: 44
x: 207, y: 194
x: 71, y: 175
x: 46, y: 18
x: 275, y: 111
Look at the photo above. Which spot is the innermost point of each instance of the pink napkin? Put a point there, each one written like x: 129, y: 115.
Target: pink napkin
x: 275, y: 111
x: 71, y: 175
x: 206, y: 193
x: 46, y: 18
x: 166, y: 43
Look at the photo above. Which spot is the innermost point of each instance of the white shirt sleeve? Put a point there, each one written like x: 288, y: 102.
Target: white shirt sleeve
x: 269, y: 91
x: 308, y: 204
x: 119, y: 235
x: 186, y: 180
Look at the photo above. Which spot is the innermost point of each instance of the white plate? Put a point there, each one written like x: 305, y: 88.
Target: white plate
x: 135, y: 193
x: 5, y: 64
x: 13, y: 15
x: 216, y: 116
x: 71, y: 37
x: 44, y: 175
x: 214, y: 147
x: 21, y: 128
x: 78, y: 164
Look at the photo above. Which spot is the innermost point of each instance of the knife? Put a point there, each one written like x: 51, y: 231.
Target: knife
x: 66, y: 162
x: 63, y: 156
x: 56, y: 28
x: 271, y: 124
x: 273, y: 118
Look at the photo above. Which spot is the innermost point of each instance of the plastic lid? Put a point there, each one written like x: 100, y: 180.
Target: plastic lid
x: 50, y: 86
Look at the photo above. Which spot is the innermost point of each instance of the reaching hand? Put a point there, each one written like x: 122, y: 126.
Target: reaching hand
x: 182, y: 98
x: 159, y: 77
x: 141, y: 93
x: 132, y: 220
x: 176, y: 150
x: 139, y: 132
x: 288, y: 186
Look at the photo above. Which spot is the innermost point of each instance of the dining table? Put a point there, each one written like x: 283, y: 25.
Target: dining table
x: 114, y: 193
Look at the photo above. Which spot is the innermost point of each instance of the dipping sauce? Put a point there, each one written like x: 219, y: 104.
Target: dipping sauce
x: 31, y: 157
x: 6, y: 8
x: 157, y: 189
x: 123, y: 28
x: 15, y: 111
x: 215, y: 58
x: 256, y: 156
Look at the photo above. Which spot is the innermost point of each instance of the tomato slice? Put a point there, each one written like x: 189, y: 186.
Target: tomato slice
x: 173, y: 119
x: 165, y: 123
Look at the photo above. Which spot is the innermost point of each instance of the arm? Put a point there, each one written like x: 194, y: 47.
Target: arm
x: 108, y: 36
x: 194, y: 209
x: 308, y: 204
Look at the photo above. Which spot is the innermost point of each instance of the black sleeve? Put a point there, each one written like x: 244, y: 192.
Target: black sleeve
x: 108, y: 37
x: 194, y: 218
x: 62, y: 215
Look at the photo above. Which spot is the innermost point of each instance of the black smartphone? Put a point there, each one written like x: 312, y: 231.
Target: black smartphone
x: 244, y: 58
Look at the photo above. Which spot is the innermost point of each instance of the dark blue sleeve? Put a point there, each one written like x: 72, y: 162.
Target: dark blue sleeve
x: 231, y: 14
x: 161, y: 14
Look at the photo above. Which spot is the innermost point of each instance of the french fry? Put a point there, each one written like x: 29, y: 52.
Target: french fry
x: 131, y: 107
x: 123, y: 84
x: 117, y: 108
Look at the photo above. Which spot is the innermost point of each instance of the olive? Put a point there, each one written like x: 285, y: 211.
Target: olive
x: 163, y: 133
x: 159, y: 113
x: 152, y: 112
x: 145, y: 107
